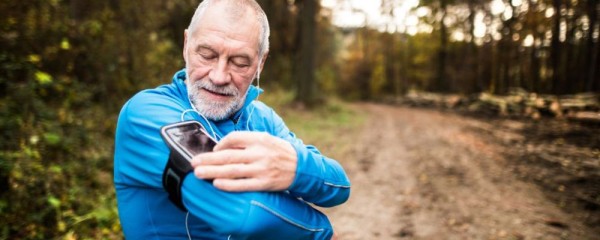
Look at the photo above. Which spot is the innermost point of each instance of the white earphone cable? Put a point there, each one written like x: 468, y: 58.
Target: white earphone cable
x: 187, y: 229
x: 214, y: 133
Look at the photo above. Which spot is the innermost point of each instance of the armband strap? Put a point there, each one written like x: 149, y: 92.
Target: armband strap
x: 174, y: 174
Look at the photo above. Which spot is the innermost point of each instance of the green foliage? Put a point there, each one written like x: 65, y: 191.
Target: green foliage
x: 378, y: 77
x: 66, y: 68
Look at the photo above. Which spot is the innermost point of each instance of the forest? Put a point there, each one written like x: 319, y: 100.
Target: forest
x: 68, y: 66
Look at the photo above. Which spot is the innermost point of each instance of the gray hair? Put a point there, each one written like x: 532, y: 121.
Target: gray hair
x: 238, y: 6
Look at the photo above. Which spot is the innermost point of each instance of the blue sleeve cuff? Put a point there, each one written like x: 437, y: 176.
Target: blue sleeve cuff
x: 319, y: 180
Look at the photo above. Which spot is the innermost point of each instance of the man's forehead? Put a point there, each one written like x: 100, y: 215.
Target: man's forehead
x: 216, y: 37
x: 217, y: 27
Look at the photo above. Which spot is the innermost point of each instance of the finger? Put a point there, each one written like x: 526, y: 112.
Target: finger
x: 240, y: 139
x: 230, y: 171
x: 240, y: 185
x: 228, y: 156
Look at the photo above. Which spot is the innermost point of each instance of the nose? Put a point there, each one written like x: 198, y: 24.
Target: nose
x: 219, y: 74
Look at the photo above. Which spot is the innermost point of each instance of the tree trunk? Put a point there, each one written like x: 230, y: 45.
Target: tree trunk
x: 592, y: 48
x: 555, y: 48
x: 571, y: 76
x: 441, y: 67
x: 535, y: 69
x: 391, y: 61
x: 472, y: 50
x: 305, y: 71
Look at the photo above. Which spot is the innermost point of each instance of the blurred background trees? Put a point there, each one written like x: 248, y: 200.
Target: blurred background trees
x: 469, y: 46
x: 67, y: 66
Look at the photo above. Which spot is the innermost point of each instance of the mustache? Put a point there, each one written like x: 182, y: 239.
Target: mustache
x: 228, y: 90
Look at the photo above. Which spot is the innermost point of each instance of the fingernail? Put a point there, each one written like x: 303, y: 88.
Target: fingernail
x: 199, y: 171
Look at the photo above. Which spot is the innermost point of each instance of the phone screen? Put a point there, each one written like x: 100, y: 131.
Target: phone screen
x: 188, y: 138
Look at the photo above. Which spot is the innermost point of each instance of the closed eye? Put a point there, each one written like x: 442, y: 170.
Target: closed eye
x: 206, y: 53
x: 207, y: 56
x: 240, y: 62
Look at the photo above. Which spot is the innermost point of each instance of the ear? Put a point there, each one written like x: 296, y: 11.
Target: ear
x: 261, y: 64
x: 185, y: 40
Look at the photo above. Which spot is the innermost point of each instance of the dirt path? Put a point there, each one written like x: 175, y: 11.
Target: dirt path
x: 421, y: 174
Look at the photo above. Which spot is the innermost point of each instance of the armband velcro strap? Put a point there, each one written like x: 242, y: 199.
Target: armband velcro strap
x: 174, y: 174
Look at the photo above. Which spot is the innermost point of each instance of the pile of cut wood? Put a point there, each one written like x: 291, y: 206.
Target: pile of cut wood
x: 581, y: 107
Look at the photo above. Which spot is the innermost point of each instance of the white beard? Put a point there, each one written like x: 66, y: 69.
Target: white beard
x: 214, y: 110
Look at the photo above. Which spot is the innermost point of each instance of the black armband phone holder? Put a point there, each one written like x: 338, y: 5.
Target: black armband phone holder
x: 175, y: 171
x: 185, y: 140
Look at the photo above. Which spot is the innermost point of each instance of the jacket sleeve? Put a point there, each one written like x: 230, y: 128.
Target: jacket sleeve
x: 254, y: 215
x: 247, y: 215
x: 319, y: 180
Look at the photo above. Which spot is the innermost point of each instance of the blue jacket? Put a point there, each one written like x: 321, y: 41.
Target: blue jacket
x: 141, y: 155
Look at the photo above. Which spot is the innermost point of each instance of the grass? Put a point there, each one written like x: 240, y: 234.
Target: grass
x: 329, y: 126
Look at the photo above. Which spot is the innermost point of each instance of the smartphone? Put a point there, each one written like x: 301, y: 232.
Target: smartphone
x: 188, y: 138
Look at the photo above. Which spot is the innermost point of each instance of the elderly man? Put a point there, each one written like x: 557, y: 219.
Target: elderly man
x: 259, y: 179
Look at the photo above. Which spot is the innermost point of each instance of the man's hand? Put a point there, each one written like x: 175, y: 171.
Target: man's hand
x: 248, y: 161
